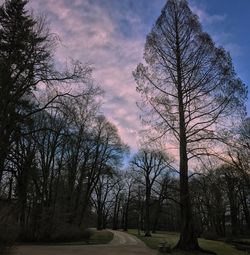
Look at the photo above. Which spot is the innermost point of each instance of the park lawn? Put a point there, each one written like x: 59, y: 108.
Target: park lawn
x: 220, y: 248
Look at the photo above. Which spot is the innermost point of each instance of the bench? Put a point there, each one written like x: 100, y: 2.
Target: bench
x: 164, y: 247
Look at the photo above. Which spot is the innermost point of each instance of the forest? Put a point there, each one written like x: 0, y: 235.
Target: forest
x: 64, y: 167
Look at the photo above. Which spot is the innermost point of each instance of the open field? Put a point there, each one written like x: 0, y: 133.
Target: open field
x: 219, y: 247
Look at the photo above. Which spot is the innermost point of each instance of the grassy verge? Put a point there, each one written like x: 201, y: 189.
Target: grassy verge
x: 220, y: 248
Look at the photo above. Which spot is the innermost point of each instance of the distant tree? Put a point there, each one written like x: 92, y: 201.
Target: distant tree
x: 107, y: 181
x: 149, y: 165
x: 107, y: 150
x: 188, y: 87
x: 117, y: 203
x: 161, y: 195
x: 128, y: 185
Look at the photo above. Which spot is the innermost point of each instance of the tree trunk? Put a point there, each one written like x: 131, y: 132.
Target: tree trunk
x: 232, y: 203
x: 99, y: 220
x: 158, y: 208
x: 188, y: 239
x: 147, y: 209
x: 125, y: 226
x: 245, y: 208
x: 116, y: 211
x: 157, y: 215
x: 2, y: 161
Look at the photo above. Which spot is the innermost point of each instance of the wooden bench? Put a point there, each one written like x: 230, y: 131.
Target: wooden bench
x: 164, y: 247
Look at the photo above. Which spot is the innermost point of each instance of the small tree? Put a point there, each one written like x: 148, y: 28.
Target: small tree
x: 188, y: 86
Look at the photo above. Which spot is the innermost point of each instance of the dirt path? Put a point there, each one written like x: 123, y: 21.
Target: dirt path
x: 122, y: 244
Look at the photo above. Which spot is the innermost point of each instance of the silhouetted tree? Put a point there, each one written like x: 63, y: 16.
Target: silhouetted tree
x: 188, y: 87
x: 149, y: 165
x: 26, y: 60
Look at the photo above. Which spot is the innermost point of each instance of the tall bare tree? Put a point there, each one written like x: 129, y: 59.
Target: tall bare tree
x: 188, y: 87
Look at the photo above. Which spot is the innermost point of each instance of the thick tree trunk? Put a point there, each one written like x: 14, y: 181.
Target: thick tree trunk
x: 188, y: 239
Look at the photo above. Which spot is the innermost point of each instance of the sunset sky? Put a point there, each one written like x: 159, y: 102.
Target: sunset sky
x: 110, y: 35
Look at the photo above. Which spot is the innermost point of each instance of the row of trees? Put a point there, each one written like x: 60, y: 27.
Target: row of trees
x: 148, y: 193
x: 55, y: 145
x: 219, y: 192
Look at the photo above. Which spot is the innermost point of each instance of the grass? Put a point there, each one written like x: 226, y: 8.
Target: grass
x: 220, y: 248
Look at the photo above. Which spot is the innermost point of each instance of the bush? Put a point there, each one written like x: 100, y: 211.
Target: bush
x: 210, y: 236
x: 87, y: 233
x: 71, y: 233
x: 8, y: 235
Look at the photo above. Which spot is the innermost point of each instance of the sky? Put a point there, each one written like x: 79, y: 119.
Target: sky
x: 110, y: 35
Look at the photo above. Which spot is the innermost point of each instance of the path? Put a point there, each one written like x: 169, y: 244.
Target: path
x: 122, y: 244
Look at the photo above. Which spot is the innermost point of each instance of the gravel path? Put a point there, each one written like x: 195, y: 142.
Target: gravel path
x: 122, y: 244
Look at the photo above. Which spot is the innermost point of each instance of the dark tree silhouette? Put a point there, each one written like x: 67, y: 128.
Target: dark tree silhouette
x: 149, y: 165
x: 26, y: 59
x: 188, y: 87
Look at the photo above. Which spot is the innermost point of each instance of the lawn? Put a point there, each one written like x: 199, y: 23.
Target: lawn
x: 220, y: 248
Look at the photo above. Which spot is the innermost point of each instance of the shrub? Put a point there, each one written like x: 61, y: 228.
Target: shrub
x: 71, y: 233
x: 8, y: 235
x: 210, y: 236
x: 86, y: 235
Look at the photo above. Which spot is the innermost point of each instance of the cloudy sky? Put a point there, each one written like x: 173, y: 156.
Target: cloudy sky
x: 110, y: 35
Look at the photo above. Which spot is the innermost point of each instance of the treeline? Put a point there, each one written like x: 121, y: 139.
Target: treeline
x: 149, y: 193
x: 55, y: 143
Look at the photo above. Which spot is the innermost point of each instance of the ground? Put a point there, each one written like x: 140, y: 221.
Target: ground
x: 122, y: 244
x: 220, y: 248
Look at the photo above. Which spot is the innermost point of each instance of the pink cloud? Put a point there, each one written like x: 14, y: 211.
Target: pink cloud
x: 90, y: 35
